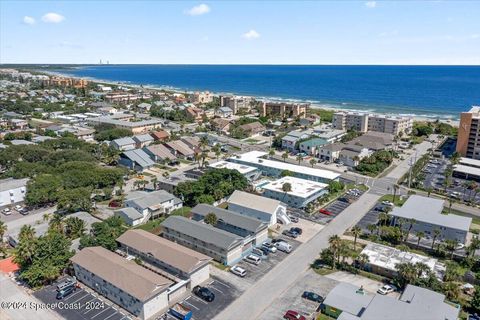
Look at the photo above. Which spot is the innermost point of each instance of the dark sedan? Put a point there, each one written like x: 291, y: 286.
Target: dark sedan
x: 204, y: 293
x: 312, y: 296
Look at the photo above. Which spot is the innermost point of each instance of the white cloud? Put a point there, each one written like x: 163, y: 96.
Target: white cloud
x: 28, y: 20
x: 198, y: 10
x: 252, y: 34
x: 52, y: 17
x: 371, y: 4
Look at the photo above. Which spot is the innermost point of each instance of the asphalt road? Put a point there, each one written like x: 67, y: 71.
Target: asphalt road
x: 260, y: 296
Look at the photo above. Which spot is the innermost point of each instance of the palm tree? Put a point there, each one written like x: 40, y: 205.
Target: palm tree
x: 451, y: 201
x: 363, y: 259
x: 451, y: 290
x: 166, y: 174
x: 285, y: 156
x: 271, y: 153
x: 419, y: 235
x: 474, y: 245
x: 154, y: 182
x: 383, y: 217
x: 371, y: 228
x: 203, y: 142
x: 396, y: 187
x: 299, y: 158
x: 313, y: 162
x: 3, y: 229
x: 335, y: 243
x: 46, y: 217
x: 411, y: 224
x: 26, y: 246
x: 356, y: 232
x: 286, y: 187
x: 436, y: 234
x: 57, y: 223
x: 429, y: 190
x: 451, y: 244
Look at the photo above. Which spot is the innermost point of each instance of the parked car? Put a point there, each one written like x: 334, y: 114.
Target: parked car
x: 270, y: 247
x: 7, y: 211
x: 204, y: 293
x: 293, y: 315
x: 23, y: 211
x: 386, y: 289
x: 293, y: 219
x: 290, y: 234
x: 236, y: 270
x: 253, y: 259
x: 65, y: 292
x: 388, y: 203
x: 345, y: 199
x: 69, y: 282
x: 259, y: 252
x: 265, y: 251
x: 18, y: 207
x: 277, y: 240
x: 312, y: 296
x: 325, y: 211
x: 296, y: 230
x: 284, y: 246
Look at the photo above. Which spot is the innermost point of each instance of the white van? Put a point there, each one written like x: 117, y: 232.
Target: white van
x: 253, y: 259
x: 283, y: 246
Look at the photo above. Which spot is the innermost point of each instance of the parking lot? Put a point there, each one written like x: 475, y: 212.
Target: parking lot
x: 91, y: 306
x: 334, y: 208
x: 224, y: 292
x: 291, y: 299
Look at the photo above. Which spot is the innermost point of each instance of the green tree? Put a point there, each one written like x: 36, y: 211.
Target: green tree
x: 26, y: 246
x: 451, y: 290
x: 104, y: 233
x: 419, y: 236
x: 313, y: 162
x: 356, y: 231
x: 74, y: 227
x: 436, y: 234
x: 285, y: 156
x: 475, y: 302
x: 73, y: 200
x: 271, y: 153
x: 299, y: 158
x: 3, y: 229
x: 211, y: 219
x: 335, y: 244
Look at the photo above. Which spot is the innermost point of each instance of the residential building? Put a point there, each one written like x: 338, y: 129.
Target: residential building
x: 265, y: 209
x: 275, y: 168
x: 352, y: 154
x: 301, y: 192
x: 252, y: 129
x: 131, y: 216
x: 364, y: 122
x: 194, y: 114
x: 136, y: 159
x: 224, y: 112
x: 329, y: 152
x: 180, y: 149
x: 221, y: 125
x: 131, y: 286
x: 236, y: 103
x: 123, y: 144
x: 136, y: 127
x: 223, y: 246
x: 348, y: 302
x: 284, y: 110
x: 144, y: 106
x: 193, y: 142
x: 184, y: 263
x: 12, y: 191
x: 468, y: 169
x: 312, y: 146
x: 160, y: 135
x: 468, y: 140
x: 153, y: 204
x: 201, y: 97
x: 427, y: 215
x: 251, y: 173
x: 18, y: 124
x: 289, y: 141
x: 159, y: 153
x: 383, y: 260
x: 253, y: 231
x: 142, y: 140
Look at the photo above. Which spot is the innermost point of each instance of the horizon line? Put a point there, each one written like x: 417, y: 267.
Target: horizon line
x: 238, y: 64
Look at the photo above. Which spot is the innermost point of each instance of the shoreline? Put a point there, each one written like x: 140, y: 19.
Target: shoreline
x: 454, y: 121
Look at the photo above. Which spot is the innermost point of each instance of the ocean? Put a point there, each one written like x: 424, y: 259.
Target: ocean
x: 426, y: 91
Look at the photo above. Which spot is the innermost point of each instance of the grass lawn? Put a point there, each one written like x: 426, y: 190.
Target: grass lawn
x: 185, y: 161
x: 322, y: 316
x: 251, y: 141
x: 152, y: 226
x: 234, y: 148
x: 220, y: 266
x: 324, y: 271
x: 183, y: 211
x: 398, y: 201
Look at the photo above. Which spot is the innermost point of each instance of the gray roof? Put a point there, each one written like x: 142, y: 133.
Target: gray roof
x: 125, y: 141
x: 140, y: 157
x: 131, y: 124
x: 346, y: 297
x: 429, y: 210
x: 231, y: 218
x: 131, y: 213
x: 297, y: 134
x: 18, y: 142
x: 415, y: 303
x: 290, y: 138
x: 225, y: 109
x: 203, y: 232
x: 151, y: 199
x: 10, y: 183
x: 245, y: 199
x: 160, y: 151
x: 181, y: 147
x: 143, y: 138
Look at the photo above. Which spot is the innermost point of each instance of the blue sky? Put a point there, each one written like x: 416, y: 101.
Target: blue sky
x: 248, y: 32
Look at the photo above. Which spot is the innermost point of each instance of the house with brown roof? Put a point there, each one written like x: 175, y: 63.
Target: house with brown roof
x: 131, y: 286
x: 160, y: 135
x: 194, y: 114
x: 180, y: 149
x: 253, y: 128
x: 171, y: 257
x: 221, y: 125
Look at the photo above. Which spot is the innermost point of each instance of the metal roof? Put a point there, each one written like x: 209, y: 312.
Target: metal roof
x: 140, y: 157
x: 203, y: 232
x: 253, y: 201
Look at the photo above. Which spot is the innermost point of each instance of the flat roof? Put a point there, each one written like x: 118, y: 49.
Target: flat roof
x: 388, y: 258
x: 300, y: 187
x: 124, y: 274
x: 467, y: 170
x: 131, y: 124
x: 171, y: 253
x: 348, y: 298
x: 470, y: 162
x: 242, y: 168
x: 429, y: 210
x: 256, y: 202
x: 253, y: 157
x: 203, y: 232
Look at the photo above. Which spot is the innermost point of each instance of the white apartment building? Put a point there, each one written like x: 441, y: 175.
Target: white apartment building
x: 364, y: 122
